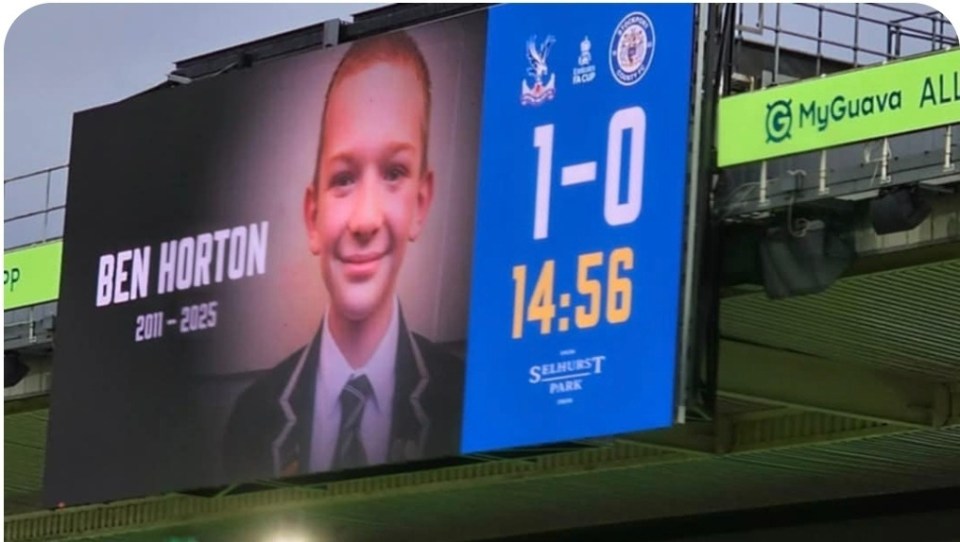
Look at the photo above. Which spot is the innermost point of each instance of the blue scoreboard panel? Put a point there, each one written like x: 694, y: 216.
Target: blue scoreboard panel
x: 575, y: 292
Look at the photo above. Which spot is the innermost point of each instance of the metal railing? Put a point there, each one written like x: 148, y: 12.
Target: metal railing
x: 852, y: 34
x: 34, y: 207
x: 800, y: 41
x: 27, y: 326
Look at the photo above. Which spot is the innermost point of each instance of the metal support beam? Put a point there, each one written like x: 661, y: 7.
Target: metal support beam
x: 776, y: 377
x: 948, y: 164
x: 762, y: 430
x: 331, y: 32
x: 695, y: 438
x: 789, y: 429
x: 743, y: 434
x: 947, y: 411
x: 885, y: 163
x: 132, y: 516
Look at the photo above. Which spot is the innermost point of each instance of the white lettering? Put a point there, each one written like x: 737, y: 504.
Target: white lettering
x: 105, y: 280
x: 564, y: 386
x: 238, y: 247
x: 220, y: 237
x: 141, y: 272
x: 120, y: 295
x: 257, y: 249
x: 185, y: 263
x: 167, y: 268
x: 201, y: 274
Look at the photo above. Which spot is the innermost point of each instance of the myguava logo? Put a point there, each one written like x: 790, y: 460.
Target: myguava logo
x: 779, y: 120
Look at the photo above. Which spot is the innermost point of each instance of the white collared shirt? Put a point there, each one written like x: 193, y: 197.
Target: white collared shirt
x: 377, y: 412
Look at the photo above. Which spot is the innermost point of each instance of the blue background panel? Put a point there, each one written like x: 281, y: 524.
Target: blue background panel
x: 547, y: 387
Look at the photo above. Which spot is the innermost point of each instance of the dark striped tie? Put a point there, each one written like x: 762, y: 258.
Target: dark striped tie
x: 350, y: 452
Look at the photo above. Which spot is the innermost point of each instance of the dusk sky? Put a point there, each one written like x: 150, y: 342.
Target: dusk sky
x: 63, y: 58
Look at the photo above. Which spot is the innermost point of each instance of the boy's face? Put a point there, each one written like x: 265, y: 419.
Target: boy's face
x: 372, y: 190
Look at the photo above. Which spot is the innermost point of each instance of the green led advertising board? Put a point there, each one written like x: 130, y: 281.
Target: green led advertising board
x: 31, y: 275
x: 869, y: 103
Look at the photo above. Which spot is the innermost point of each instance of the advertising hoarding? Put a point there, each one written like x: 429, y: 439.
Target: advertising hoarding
x: 868, y: 103
x: 312, y: 264
x: 31, y: 275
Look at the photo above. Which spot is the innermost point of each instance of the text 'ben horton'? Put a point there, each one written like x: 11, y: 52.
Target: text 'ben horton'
x: 189, y: 262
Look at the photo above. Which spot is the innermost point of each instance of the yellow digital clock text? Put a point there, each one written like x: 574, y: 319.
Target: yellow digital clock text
x: 542, y: 305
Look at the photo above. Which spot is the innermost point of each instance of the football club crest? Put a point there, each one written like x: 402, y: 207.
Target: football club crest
x: 585, y: 70
x: 537, y: 56
x: 631, y: 49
